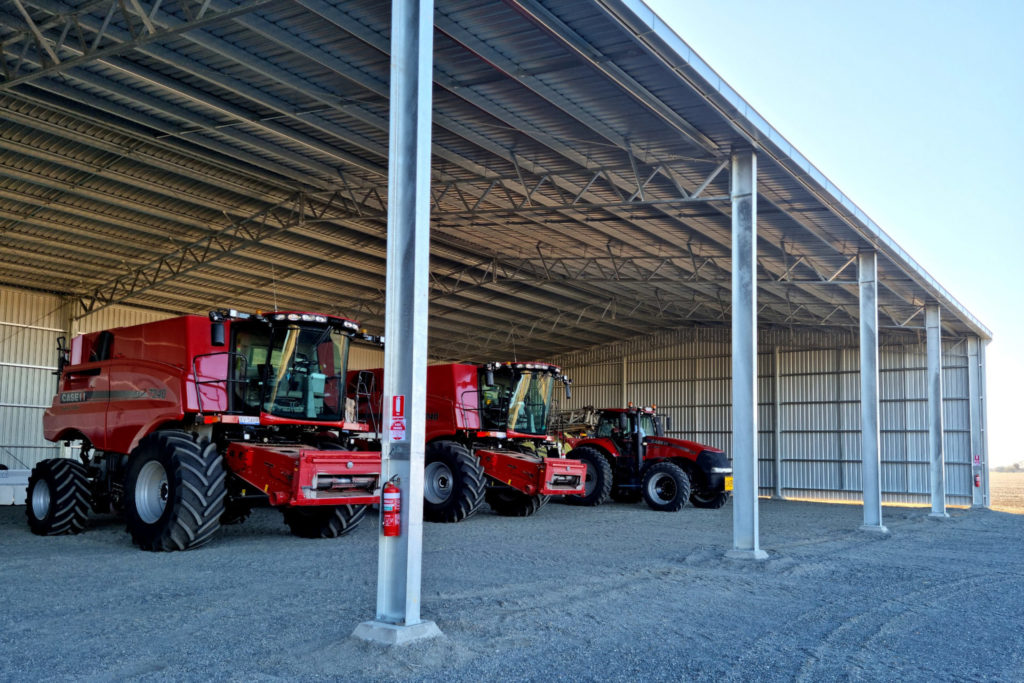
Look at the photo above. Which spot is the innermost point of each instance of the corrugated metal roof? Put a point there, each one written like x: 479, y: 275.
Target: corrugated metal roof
x: 236, y: 156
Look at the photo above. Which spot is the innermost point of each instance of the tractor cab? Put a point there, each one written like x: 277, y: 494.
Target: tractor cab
x: 627, y: 428
x: 516, y: 397
x: 288, y: 367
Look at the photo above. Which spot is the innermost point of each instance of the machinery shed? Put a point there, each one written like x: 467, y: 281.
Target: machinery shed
x: 160, y: 158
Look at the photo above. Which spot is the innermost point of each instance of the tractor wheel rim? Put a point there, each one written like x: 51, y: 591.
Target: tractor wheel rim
x: 41, y: 499
x: 662, y: 488
x: 151, y: 491
x: 437, y: 483
x: 590, y: 481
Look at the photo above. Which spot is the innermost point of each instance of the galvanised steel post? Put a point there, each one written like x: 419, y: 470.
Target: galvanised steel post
x: 983, y: 422
x: 744, y: 357
x: 777, y: 423
x: 871, y: 477
x: 936, y: 452
x: 979, y: 457
x: 405, y: 357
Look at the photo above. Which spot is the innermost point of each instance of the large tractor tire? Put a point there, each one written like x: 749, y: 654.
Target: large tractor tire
x: 665, y: 487
x: 323, y: 521
x: 597, y: 486
x: 711, y: 500
x: 58, y: 498
x: 453, y: 482
x: 508, y: 502
x: 174, y: 492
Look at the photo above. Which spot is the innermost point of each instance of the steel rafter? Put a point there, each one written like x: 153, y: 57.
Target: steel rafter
x: 280, y: 217
x: 51, y: 39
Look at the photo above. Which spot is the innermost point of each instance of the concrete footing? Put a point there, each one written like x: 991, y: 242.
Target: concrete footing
x: 757, y: 555
x: 879, y: 529
x: 396, y: 634
x: 938, y: 515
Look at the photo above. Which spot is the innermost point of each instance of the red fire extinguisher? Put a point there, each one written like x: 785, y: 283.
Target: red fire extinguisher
x: 391, y: 508
x: 977, y: 481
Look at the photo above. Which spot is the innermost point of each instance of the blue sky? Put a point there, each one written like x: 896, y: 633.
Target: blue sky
x: 915, y: 110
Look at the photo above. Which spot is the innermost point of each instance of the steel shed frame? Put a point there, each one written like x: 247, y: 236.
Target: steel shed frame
x: 587, y: 183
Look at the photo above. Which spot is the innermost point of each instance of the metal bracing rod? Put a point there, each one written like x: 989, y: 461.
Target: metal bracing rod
x: 50, y: 36
x: 474, y: 346
x: 839, y: 272
x: 707, y: 181
x: 580, y: 207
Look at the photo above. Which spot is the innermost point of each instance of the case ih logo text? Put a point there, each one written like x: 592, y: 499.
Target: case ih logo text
x: 74, y: 396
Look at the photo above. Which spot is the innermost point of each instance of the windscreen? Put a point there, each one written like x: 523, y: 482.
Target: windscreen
x: 647, y: 425
x: 518, y: 401
x: 531, y: 399
x: 293, y: 371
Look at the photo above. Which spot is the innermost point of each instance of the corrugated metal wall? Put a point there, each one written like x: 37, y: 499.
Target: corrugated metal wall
x: 29, y: 326
x: 687, y: 375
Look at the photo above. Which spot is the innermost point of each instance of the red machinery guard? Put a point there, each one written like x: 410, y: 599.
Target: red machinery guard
x: 533, y: 475
x: 294, y: 475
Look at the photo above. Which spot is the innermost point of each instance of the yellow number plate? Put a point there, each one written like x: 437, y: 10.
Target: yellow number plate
x: 728, y: 483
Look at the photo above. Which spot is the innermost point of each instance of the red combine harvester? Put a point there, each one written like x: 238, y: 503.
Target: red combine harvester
x: 188, y: 423
x: 486, y: 433
x: 628, y: 456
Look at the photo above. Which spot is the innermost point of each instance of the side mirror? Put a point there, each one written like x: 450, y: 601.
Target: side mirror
x: 668, y: 423
x: 623, y: 422
x: 489, y: 377
x: 568, y: 390
x: 217, y: 334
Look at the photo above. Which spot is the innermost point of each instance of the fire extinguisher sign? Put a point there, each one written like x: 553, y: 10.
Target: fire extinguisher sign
x: 396, y: 424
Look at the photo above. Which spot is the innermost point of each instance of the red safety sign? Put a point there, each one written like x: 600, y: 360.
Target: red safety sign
x: 396, y: 427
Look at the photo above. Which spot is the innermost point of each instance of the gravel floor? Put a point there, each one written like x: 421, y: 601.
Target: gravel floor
x: 612, y: 593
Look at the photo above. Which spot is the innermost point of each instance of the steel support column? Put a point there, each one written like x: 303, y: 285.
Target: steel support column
x: 405, y: 358
x: 744, y: 357
x: 936, y: 452
x: 625, y: 379
x: 871, y: 476
x: 983, y: 390
x: 777, y: 424
x: 979, y: 456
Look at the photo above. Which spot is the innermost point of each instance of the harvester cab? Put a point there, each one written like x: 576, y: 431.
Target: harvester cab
x: 515, y: 398
x: 286, y: 368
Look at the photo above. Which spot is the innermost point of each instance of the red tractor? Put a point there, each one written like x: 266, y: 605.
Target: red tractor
x: 628, y: 456
x: 188, y: 423
x: 486, y: 433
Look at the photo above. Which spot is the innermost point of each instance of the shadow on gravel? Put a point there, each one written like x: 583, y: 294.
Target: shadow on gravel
x: 618, y: 592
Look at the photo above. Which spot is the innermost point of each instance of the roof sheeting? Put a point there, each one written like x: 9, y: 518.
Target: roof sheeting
x: 236, y: 156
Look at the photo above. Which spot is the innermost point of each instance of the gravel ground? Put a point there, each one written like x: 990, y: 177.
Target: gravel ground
x: 615, y: 593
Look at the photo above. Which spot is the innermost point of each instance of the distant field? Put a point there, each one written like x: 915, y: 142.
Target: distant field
x: 1008, y: 491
